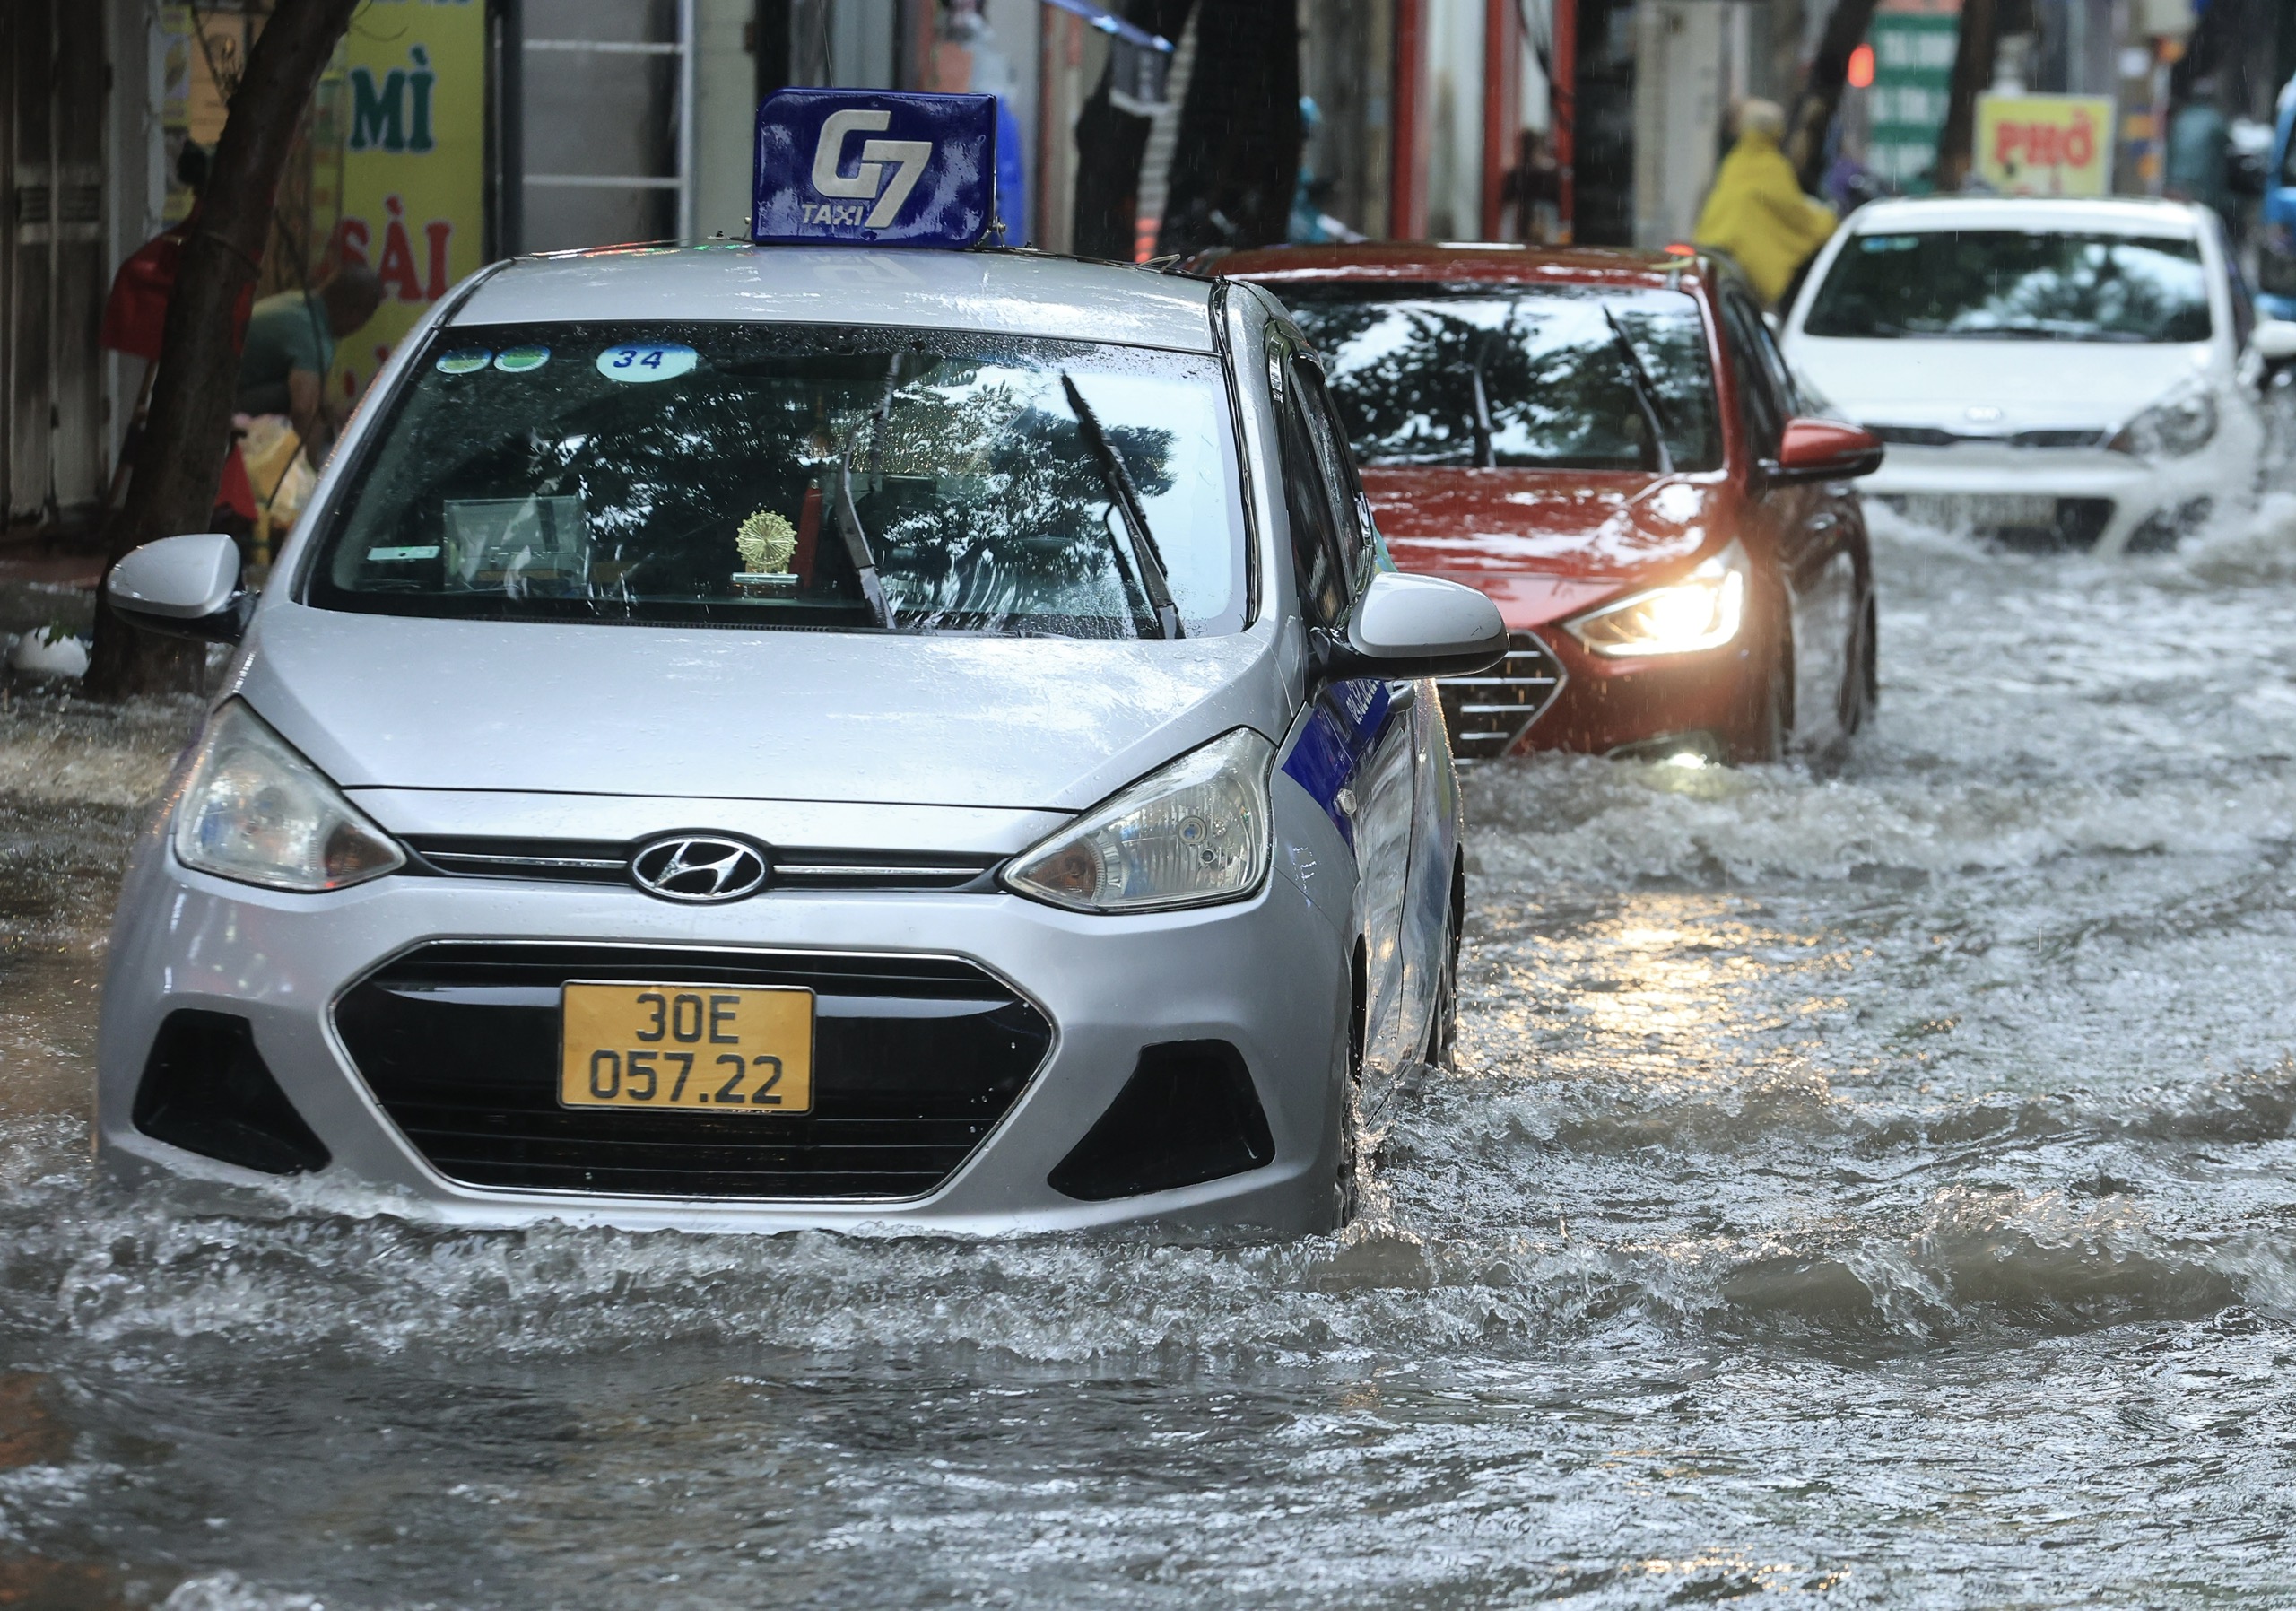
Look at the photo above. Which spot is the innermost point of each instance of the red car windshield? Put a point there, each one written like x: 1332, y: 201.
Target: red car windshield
x: 1515, y: 376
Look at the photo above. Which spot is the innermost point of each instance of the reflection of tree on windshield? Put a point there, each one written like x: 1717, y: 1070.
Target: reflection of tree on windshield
x: 984, y: 508
x: 1404, y: 373
x: 2001, y: 282
x: 987, y: 499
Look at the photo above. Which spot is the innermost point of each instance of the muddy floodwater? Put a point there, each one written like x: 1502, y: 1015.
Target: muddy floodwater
x: 1865, y: 1190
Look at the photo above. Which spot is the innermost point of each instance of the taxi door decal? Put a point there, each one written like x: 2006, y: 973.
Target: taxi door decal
x: 1341, y: 731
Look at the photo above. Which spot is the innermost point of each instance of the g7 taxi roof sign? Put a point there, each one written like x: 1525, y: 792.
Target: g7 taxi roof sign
x: 874, y: 168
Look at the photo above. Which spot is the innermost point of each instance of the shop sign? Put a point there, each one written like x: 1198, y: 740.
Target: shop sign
x: 2045, y: 145
x: 413, y: 163
x: 1913, y: 42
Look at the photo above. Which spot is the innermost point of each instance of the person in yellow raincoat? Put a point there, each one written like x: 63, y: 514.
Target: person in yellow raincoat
x: 1757, y: 211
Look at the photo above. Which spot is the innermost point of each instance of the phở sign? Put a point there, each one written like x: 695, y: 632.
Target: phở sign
x: 2045, y: 145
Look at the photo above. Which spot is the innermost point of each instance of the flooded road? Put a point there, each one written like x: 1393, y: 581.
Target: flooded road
x: 1872, y: 1189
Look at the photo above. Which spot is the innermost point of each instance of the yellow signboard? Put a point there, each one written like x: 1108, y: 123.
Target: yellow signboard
x: 413, y: 163
x: 2045, y: 145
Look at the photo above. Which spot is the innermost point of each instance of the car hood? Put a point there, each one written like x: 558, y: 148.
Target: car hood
x: 1545, y: 543
x: 382, y: 701
x: 2029, y: 383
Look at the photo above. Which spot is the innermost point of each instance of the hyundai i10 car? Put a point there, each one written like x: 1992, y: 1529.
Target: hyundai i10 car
x: 748, y: 737
x: 1609, y: 445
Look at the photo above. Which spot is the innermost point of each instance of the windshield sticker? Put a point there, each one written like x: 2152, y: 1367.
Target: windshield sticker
x: 429, y: 552
x: 493, y: 542
x: 463, y: 363
x: 647, y: 361
x: 518, y: 361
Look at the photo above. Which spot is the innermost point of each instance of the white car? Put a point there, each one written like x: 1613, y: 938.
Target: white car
x: 2054, y: 374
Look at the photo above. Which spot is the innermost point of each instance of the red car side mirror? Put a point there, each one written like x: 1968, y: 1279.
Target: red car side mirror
x: 1824, y: 450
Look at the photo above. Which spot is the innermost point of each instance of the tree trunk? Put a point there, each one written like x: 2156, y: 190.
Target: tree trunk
x: 1236, y: 160
x: 1973, y: 50
x: 1820, y: 97
x: 188, y: 432
x: 1110, y: 145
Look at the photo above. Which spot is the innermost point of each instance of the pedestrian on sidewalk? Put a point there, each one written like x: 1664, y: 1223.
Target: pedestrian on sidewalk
x: 291, y: 346
x: 1757, y: 211
x: 2200, y: 152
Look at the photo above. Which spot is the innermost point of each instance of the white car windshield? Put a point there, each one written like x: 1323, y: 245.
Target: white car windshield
x: 796, y: 476
x: 2013, y: 285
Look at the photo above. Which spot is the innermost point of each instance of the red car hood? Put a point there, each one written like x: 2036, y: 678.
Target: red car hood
x: 1544, y: 544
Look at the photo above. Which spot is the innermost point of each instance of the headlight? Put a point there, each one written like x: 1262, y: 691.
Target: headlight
x: 1189, y: 834
x: 256, y: 812
x: 2179, y: 423
x: 1704, y: 610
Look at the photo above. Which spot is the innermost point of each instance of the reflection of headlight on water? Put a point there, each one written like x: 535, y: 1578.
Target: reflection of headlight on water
x: 1704, y: 610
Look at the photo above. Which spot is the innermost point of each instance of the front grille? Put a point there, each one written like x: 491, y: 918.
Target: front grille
x: 1486, y: 714
x: 1929, y: 436
x: 793, y: 868
x: 915, y: 1061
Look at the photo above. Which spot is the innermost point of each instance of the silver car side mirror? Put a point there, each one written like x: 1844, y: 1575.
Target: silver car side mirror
x: 1406, y: 627
x: 185, y: 587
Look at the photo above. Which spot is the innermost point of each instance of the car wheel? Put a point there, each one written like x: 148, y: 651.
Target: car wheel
x: 1773, y: 724
x: 1861, y: 678
x: 1872, y: 657
x: 1346, y: 1185
x: 1443, y: 1016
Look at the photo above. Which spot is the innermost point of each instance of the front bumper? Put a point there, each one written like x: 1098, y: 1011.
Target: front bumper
x: 1268, y: 976
x: 2061, y: 498
x: 1581, y: 702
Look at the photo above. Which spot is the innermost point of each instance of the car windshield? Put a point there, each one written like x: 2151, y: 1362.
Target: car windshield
x: 2015, y: 285
x: 793, y: 476
x: 1536, y: 377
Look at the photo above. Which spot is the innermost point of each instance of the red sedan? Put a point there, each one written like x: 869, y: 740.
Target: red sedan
x: 1609, y: 444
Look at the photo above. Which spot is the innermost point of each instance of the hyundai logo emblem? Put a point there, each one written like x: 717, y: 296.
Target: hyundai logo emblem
x: 698, y: 866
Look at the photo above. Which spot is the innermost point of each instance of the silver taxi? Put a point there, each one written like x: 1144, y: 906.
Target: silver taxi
x: 758, y: 737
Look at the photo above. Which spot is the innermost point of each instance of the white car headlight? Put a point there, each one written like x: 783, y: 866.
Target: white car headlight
x: 1187, y: 834
x: 2180, y: 423
x: 256, y: 812
x: 1704, y: 610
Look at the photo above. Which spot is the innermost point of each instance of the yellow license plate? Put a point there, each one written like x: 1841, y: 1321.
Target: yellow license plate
x: 704, y: 1048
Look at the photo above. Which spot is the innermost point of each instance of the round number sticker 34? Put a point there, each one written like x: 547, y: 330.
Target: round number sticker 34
x: 647, y: 361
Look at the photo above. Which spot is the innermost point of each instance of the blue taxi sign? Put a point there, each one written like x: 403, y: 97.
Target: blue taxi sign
x: 873, y: 168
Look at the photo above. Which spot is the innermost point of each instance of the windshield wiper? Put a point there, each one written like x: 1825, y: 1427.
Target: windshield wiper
x: 848, y: 518
x: 1149, y: 564
x: 857, y: 542
x: 1482, y: 446
x: 1645, y: 395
